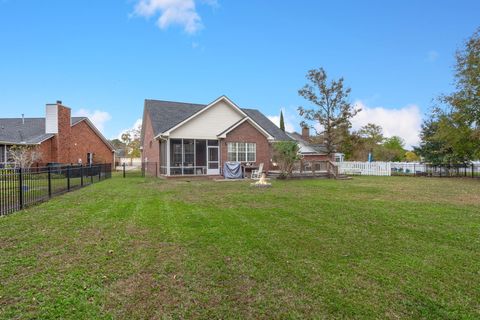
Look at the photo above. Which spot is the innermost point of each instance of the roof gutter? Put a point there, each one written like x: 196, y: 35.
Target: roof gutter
x: 18, y: 143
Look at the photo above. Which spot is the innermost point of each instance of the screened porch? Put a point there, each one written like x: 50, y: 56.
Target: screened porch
x: 189, y: 157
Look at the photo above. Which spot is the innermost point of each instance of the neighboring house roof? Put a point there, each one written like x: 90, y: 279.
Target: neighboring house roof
x: 32, y: 130
x: 307, y: 147
x: 165, y: 115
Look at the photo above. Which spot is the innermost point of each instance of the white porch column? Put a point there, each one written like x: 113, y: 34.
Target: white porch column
x: 168, y: 156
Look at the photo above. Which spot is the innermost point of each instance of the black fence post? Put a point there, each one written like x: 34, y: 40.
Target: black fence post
x: 156, y: 169
x: 123, y: 165
x: 68, y: 178
x: 20, y: 187
x: 100, y: 172
x: 473, y: 168
x: 49, y: 182
x: 91, y: 174
x: 143, y: 168
x: 81, y: 175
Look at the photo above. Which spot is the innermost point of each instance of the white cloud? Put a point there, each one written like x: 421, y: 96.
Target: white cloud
x: 98, y: 118
x: 432, y: 56
x: 173, y: 12
x: 289, y: 127
x: 136, y: 125
x: 404, y: 122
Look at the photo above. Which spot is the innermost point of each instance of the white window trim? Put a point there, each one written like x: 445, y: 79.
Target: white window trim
x: 246, y: 151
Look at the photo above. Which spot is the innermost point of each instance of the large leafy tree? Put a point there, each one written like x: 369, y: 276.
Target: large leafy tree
x: 131, y: 140
x: 431, y: 148
x: 372, y: 132
x: 466, y: 98
x: 332, y: 106
x: 392, y: 149
x: 452, y: 132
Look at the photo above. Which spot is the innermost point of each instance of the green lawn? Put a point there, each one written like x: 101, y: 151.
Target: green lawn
x: 136, y: 248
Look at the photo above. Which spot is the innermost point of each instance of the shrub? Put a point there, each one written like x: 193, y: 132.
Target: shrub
x: 286, y: 154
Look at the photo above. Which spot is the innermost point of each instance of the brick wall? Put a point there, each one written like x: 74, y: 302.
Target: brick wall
x: 46, y: 150
x: 64, y: 136
x: 85, y: 140
x: 73, y: 143
x: 248, y: 133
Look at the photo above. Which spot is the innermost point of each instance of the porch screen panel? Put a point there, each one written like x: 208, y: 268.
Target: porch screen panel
x: 201, y: 153
x: 176, y: 152
x: 2, y: 153
x: 189, y: 149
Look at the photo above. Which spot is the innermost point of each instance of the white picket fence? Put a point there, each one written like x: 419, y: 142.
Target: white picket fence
x: 364, y: 168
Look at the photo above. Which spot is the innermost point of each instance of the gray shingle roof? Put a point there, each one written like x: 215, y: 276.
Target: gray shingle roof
x: 307, y: 147
x: 165, y: 115
x: 266, y: 124
x: 13, y: 130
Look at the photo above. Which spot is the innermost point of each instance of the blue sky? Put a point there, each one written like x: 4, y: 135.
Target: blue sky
x: 103, y: 58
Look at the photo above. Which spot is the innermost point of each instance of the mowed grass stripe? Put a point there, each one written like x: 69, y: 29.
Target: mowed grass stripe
x: 140, y: 248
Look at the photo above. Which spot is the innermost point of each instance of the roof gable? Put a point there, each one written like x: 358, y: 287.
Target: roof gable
x: 205, y: 110
x: 166, y: 115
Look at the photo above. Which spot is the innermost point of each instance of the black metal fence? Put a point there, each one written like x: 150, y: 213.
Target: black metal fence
x: 452, y: 170
x: 469, y: 170
x: 23, y: 187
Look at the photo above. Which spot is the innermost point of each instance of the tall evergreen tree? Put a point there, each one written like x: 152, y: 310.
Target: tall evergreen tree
x: 282, y: 123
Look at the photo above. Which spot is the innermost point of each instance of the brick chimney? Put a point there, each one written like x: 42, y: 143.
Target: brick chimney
x: 306, y: 133
x: 58, y: 121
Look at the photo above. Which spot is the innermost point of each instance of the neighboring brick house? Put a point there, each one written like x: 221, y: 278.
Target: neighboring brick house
x: 197, y: 139
x: 312, y: 151
x: 59, y: 138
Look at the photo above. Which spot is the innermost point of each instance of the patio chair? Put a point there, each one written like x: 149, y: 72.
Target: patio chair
x: 256, y: 174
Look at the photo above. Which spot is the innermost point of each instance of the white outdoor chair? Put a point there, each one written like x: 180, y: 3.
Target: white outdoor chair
x: 256, y: 174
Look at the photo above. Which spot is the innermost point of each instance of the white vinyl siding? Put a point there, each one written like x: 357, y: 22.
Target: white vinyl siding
x: 209, y: 124
x: 241, y: 151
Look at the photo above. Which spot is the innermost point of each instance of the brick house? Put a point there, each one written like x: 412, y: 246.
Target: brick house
x: 197, y: 139
x: 313, y: 151
x: 59, y: 138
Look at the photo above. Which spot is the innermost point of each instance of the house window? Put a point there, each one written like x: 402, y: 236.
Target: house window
x: 2, y: 154
x: 241, y: 151
x: 231, y: 151
x: 89, y: 158
x: 251, y: 152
